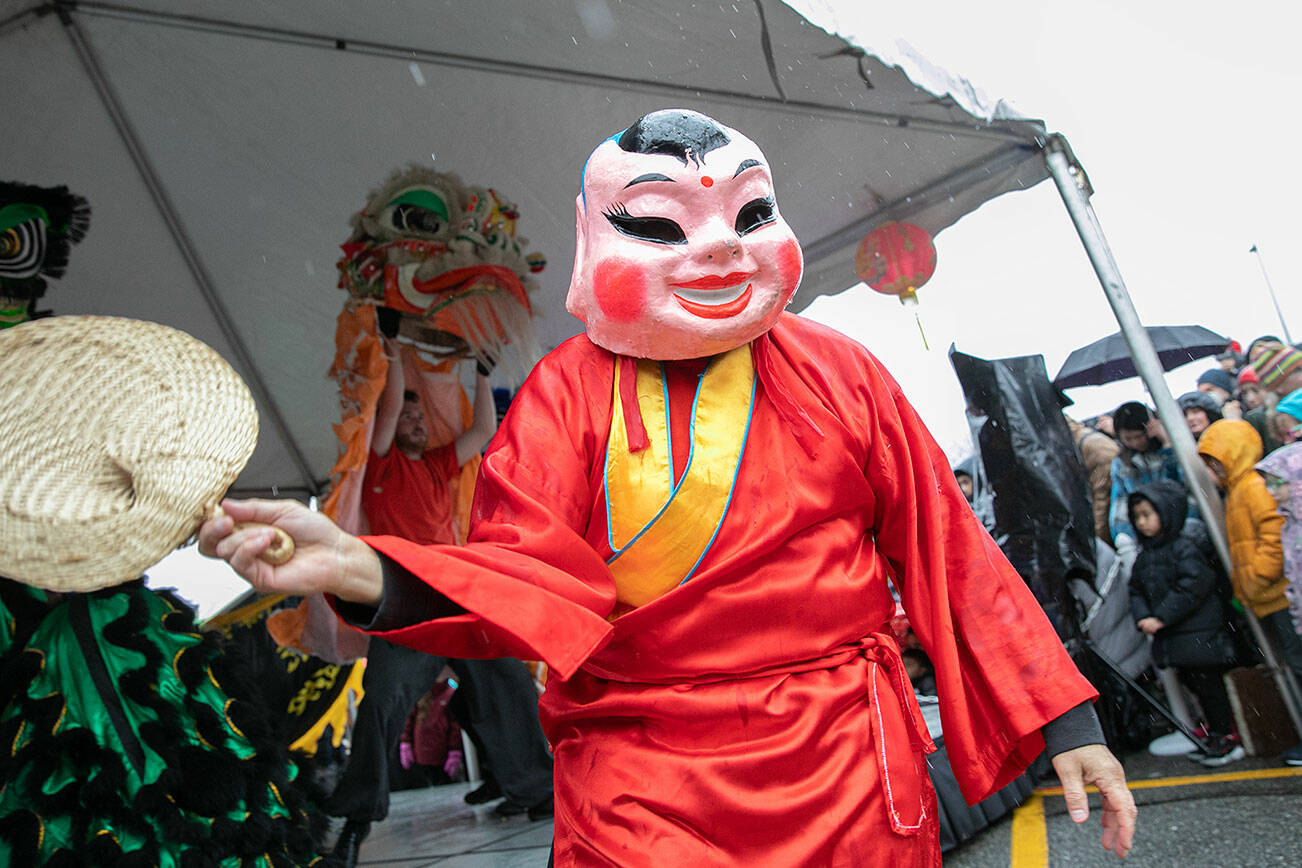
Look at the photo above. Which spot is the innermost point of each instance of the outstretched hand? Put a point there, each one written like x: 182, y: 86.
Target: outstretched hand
x: 1095, y: 764
x: 325, y: 558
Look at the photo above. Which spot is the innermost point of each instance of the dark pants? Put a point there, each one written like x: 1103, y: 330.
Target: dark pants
x: 1285, y: 640
x: 1208, y: 684
x: 502, y: 709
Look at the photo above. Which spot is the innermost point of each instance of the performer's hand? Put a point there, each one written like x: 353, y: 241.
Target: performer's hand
x: 325, y: 558
x: 406, y: 754
x: 1095, y: 764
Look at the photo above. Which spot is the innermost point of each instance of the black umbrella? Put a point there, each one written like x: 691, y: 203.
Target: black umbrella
x: 1108, y: 359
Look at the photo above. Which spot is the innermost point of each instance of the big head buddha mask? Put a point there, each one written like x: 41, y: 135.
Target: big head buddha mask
x: 681, y: 251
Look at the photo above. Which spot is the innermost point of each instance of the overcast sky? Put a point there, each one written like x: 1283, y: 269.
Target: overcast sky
x: 1185, y: 118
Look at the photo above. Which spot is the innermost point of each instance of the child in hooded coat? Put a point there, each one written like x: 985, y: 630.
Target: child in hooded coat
x: 1174, y: 599
x: 1232, y: 449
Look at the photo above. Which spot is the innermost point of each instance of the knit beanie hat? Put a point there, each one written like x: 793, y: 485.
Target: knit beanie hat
x: 1291, y: 404
x: 1218, y: 378
x: 1248, y: 375
x: 1131, y: 416
x: 1277, y: 364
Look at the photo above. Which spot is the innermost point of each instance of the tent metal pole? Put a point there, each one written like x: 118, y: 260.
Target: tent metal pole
x: 187, y: 248
x: 1073, y: 186
x: 407, y: 54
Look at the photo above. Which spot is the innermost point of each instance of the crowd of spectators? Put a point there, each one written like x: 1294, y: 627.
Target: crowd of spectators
x: 1246, y: 417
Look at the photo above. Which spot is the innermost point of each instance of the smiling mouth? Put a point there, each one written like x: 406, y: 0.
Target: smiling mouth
x: 715, y: 297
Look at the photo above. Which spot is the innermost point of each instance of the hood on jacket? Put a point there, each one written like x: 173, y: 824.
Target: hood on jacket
x: 1171, y: 502
x: 1234, y: 443
x: 1286, y: 463
x: 1201, y: 401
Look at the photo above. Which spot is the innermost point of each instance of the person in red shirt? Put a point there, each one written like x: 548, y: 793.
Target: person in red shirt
x: 406, y: 494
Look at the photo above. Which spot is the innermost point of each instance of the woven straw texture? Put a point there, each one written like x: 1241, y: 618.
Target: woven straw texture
x: 115, y: 436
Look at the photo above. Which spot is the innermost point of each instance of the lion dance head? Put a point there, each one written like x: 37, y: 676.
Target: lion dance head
x: 38, y: 226
x: 441, y: 262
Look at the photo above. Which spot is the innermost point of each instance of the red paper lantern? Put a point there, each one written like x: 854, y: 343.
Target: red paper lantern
x: 896, y: 259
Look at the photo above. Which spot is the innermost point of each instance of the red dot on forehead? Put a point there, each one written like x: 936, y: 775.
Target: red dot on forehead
x: 707, y: 181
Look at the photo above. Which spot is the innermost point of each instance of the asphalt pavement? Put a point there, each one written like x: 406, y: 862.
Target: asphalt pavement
x: 1244, y: 815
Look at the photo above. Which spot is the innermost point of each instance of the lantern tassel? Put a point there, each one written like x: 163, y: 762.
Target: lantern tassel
x: 909, y: 298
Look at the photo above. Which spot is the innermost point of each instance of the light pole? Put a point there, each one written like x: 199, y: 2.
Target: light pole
x: 1288, y: 339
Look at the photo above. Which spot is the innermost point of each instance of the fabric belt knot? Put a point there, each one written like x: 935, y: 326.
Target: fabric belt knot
x: 902, y: 771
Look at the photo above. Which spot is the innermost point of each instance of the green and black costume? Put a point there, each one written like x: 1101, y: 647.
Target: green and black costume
x: 121, y: 742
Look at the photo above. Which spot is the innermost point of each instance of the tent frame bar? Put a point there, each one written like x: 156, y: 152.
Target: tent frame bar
x: 406, y: 53
x: 176, y: 228
x: 904, y: 206
x: 1073, y: 187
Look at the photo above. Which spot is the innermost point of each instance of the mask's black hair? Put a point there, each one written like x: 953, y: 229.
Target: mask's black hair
x: 678, y: 133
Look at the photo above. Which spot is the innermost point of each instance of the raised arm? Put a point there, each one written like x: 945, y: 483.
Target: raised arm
x: 389, y: 407
x: 473, y: 440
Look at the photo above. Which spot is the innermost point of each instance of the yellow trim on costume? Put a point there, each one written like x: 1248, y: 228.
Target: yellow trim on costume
x: 659, y: 531
x: 226, y: 713
x: 246, y: 614
x: 336, y: 715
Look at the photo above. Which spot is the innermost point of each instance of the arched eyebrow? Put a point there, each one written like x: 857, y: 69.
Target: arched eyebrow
x: 746, y: 164
x: 654, y: 176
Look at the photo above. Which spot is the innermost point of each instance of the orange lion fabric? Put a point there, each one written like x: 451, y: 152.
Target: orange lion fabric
x: 1252, y: 523
x: 757, y: 713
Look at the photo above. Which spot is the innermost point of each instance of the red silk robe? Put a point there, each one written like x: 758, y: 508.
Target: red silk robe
x: 758, y: 713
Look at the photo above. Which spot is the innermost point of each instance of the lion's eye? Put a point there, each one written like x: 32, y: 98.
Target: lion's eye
x: 418, y: 210
x: 409, y: 218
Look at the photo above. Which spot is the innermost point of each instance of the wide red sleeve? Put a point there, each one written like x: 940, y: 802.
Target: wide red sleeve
x: 532, y: 585
x: 1001, y: 670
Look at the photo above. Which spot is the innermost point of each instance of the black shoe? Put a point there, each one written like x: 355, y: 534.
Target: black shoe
x: 509, y: 808
x: 487, y: 792
x: 1221, y: 750
x: 544, y: 810
x: 350, y: 842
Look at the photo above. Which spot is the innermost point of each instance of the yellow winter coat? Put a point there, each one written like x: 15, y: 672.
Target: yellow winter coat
x: 1251, y: 522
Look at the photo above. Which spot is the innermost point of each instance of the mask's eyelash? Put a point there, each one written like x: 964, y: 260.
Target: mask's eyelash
x: 615, y: 210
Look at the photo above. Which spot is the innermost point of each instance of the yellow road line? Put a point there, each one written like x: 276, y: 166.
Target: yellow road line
x: 1030, y: 839
x: 1030, y: 844
x: 1216, y: 778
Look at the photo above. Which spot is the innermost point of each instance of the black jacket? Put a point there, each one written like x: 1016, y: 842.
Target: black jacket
x: 1174, y: 582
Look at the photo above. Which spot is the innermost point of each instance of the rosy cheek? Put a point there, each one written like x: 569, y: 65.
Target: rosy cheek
x: 790, y: 263
x: 620, y: 289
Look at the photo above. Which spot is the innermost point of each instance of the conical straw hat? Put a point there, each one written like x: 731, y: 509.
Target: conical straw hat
x: 115, y: 436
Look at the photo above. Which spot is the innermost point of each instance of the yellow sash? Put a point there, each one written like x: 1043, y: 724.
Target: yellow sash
x: 659, y: 532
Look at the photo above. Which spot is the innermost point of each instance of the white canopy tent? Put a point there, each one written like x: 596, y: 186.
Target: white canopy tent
x: 224, y: 147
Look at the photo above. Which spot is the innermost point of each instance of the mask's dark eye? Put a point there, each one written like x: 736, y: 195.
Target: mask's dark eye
x: 660, y: 230
x: 755, y: 214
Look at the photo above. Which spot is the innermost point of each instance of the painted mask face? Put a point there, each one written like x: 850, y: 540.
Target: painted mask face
x: 681, y: 250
